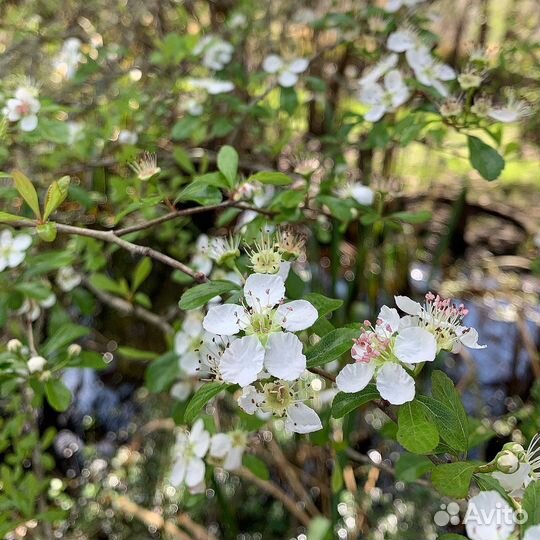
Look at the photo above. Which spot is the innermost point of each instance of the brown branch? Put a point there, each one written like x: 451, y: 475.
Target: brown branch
x: 277, y: 493
x: 128, y: 308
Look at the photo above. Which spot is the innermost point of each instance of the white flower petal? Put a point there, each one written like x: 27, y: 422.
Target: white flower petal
x: 199, y: 438
x: 287, y: 79
x: 299, y: 65
x: 401, y: 40
x: 355, y: 377
x: 297, y: 315
x: 179, y: 471
x: 190, y: 363
x: 363, y: 195
x: 302, y: 419
x: 375, y: 113
x: 284, y: 269
x: 395, y: 384
x: 489, y: 517
x: 181, y: 390
x: 503, y: 114
x: 263, y: 290
x: 22, y: 242
x: 242, y: 361
x: 469, y: 337
x: 415, y: 345
x: 29, y: 123
x: 220, y: 445
x: 388, y: 317
x: 250, y: 399
x: 233, y: 459
x: 514, y: 481
x: 272, y: 63
x: 532, y: 533
x: 284, y: 358
x: 195, y: 472
x: 407, y: 305
x: 225, y: 320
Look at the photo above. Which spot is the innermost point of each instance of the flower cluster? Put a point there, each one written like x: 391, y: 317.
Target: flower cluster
x: 287, y: 72
x: 390, y: 351
x: 216, y: 53
x: 23, y: 108
x: 193, y: 447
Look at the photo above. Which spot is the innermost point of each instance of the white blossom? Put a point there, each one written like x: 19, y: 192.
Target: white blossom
x: 216, y: 52
x: 66, y: 61
x: 127, y: 137
x: 213, y: 86
x: 227, y: 449
x: 362, y: 194
x: 200, y: 260
x: 381, y: 354
x: 13, y: 249
x: 267, y: 324
x: 383, y: 99
x: 191, y: 447
x: 373, y: 74
x: 513, y: 111
x: 403, y: 39
x: 287, y: 71
x: 23, y: 108
x: 67, y: 278
x: 443, y: 319
x: 489, y: 517
x: 428, y: 70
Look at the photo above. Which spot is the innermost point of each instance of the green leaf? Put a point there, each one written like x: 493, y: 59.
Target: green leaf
x: 88, y: 359
x: 58, y: 395
x: 411, y: 217
x: 162, y: 372
x: 323, y: 304
x: 201, y: 397
x: 105, y: 283
x: 183, y: 159
x: 485, y: 159
x: 141, y: 272
x: 531, y: 504
x: 452, y: 536
x: 345, y: 403
x: 34, y: 290
x: 6, y: 217
x: 201, y: 193
x: 65, y: 335
x: 137, y: 354
x: 227, y: 163
x: 454, y: 479
x: 416, y: 432
x: 486, y: 482
x: 56, y: 195
x: 201, y: 294
x: 318, y: 528
x: 411, y: 467
x: 454, y: 428
x: 27, y: 191
x: 271, y: 177
x: 331, y: 346
x: 256, y: 466
x: 47, y: 231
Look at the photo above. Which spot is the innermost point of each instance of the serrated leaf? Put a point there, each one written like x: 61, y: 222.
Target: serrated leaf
x: 201, y: 294
x: 454, y: 479
x: 344, y: 403
x: 271, y: 177
x: 485, y: 159
x: 27, y: 191
x: 227, y: 163
x: 331, y: 346
x: 56, y: 195
x: 201, y: 397
x: 531, y: 504
x: 58, y: 395
x: 416, y: 432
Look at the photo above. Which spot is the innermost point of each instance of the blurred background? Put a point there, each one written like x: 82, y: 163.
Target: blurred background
x: 134, y: 83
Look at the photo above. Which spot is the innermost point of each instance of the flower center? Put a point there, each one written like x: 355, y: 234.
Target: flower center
x: 278, y: 397
x: 266, y: 262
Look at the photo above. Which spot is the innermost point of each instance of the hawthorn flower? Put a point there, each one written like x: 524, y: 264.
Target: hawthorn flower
x: 373, y: 74
x: 452, y: 106
x: 146, y: 166
x: 36, y: 364
x: 385, y: 98
x: 513, y: 111
x: 470, y: 78
x: 362, y: 194
x: 429, y: 71
x: 224, y: 250
x: 227, y: 449
x: 443, y: 319
x: 267, y: 324
x: 282, y: 399
x: 291, y: 243
x: 395, y: 5
x: 216, y: 52
x: 13, y: 249
x: 127, y: 137
x: 481, y: 106
x: 267, y: 257
x: 287, y: 71
x: 213, y: 86
x: 489, y: 517
x: 211, y: 351
x: 67, y: 60
x: 403, y: 39
x: 518, y: 467
x: 23, y: 108
x: 379, y: 354
x: 67, y: 278
x: 189, y: 467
